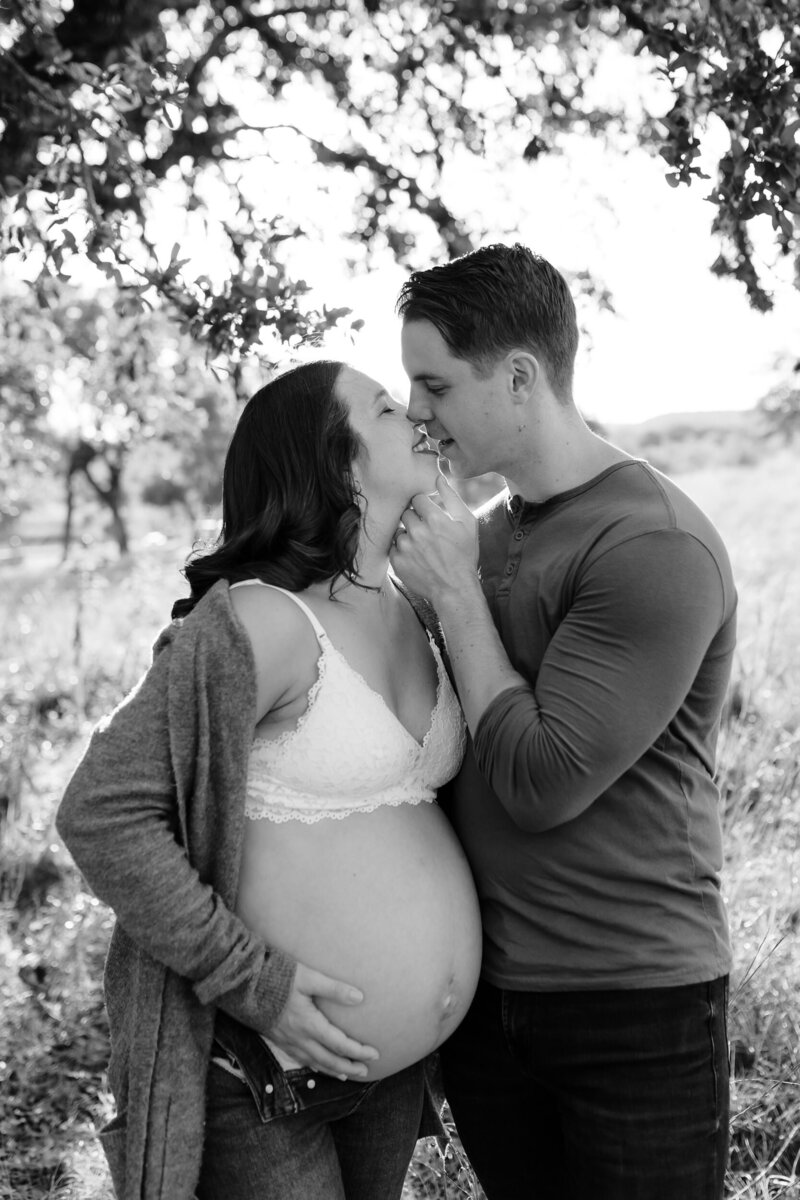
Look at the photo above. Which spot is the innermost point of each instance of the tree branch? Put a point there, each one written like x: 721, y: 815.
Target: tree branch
x: 389, y: 176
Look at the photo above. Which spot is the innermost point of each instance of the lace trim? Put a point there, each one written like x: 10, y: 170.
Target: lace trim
x: 328, y: 649
x: 293, y: 814
x: 277, y: 743
x: 440, y: 676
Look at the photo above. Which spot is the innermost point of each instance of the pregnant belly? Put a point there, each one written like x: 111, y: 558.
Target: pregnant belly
x: 382, y: 900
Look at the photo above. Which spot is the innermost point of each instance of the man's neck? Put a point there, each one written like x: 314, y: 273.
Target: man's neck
x: 562, y: 463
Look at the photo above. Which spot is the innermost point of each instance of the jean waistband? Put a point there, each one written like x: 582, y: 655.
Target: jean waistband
x: 276, y: 1092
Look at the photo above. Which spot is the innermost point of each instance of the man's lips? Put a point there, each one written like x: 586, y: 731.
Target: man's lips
x: 427, y: 444
x: 423, y: 446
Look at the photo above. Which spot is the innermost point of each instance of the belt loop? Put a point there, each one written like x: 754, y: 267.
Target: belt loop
x: 264, y: 1076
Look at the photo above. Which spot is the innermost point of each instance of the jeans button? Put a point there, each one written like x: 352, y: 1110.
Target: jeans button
x: 269, y: 1089
x: 312, y: 1083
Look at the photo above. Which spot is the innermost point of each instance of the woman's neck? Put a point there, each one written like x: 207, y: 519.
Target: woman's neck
x: 372, y: 566
x: 377, y: 538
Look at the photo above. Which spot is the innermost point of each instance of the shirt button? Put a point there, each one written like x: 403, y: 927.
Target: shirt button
x: 510, y: 569
x: 518, y: 535
x: 269, y: 1089
x: 312, y: 1083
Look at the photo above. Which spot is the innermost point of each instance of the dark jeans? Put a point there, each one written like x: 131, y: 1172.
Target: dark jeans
x: 617, y: 1095
x: 302, y: 1135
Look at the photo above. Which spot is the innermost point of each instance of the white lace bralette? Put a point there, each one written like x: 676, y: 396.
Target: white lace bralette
x: 348, y: 752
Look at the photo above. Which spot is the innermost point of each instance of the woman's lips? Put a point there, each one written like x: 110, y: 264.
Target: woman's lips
x: 423, y: 446
x: 426, y: 444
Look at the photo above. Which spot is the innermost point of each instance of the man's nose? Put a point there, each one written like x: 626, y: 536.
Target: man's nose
x: 417, y: 412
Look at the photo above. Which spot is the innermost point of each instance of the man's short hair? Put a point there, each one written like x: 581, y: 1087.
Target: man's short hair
x: 497, y: 299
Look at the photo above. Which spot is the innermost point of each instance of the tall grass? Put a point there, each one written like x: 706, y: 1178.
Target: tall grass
x: 758, y: 511
x: 73, y: 640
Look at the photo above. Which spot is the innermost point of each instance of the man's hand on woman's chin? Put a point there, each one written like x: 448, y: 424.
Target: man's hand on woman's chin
x: 436, y: 547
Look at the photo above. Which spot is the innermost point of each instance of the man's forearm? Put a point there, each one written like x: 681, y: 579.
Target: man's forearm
x: 479, y: 661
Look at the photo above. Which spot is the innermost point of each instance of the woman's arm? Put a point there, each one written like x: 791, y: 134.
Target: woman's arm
x: 119, y: 820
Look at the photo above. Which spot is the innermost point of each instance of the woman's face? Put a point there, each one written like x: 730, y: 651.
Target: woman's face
x: 395, y: 462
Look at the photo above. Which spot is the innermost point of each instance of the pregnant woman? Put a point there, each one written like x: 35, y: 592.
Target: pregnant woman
x: 297, y: 926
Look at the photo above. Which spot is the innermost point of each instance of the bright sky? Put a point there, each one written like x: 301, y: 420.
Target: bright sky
x: 681, y: 340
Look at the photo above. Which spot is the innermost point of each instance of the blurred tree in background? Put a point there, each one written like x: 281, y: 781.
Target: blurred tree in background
x: 116, y: 116
x: 781, y: 405
x: 85, y: 382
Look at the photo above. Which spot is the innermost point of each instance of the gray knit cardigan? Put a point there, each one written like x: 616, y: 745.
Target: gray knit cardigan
x: 154, y: 818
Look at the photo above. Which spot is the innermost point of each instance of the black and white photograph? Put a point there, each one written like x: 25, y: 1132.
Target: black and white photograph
x: 399, y: 600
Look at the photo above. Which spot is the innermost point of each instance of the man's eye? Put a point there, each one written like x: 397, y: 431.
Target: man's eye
x: 434, y: 391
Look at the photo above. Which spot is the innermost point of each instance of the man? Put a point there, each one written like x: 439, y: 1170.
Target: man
x: 591, y: 639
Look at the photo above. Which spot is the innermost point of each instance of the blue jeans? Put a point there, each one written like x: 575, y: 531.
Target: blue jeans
x: 302, y: 1135
x: 618, y: 1095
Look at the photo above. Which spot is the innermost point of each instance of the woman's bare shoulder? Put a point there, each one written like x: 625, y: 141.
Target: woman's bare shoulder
x: 269, y: 616
x: 285, y: 647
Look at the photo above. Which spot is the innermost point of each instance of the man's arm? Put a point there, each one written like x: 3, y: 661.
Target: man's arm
x: 617, y: 670
x: 437, y: 556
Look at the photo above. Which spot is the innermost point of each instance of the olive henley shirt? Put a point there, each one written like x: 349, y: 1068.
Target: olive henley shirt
x: 587, y: 804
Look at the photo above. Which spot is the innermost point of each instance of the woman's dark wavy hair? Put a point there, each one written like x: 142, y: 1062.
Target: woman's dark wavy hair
x: 290, y: 511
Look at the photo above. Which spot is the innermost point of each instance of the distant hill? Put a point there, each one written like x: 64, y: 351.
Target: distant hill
x: 688, y: 441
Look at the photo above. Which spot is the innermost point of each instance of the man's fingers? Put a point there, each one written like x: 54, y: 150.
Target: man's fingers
x: 420, y: 507
x: 454, y: 506
x: 449, y: 502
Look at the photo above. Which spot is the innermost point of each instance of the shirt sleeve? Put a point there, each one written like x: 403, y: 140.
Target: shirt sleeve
x: 617, y: 670
x: 118, y: 818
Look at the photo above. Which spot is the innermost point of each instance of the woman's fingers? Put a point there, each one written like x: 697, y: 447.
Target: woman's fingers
x: 335, y: 1041
x: 314, y: 983
x: 321, y: 1045
x: 326, y: 1063
x: 322, y: 1058
x: 304, y: 1031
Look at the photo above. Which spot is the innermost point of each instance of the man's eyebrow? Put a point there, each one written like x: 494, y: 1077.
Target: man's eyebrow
x: 424, y: 377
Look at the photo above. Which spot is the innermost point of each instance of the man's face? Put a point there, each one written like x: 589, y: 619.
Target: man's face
x: 460, y: 410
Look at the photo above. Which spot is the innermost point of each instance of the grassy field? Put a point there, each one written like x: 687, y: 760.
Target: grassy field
x: 72, y: 640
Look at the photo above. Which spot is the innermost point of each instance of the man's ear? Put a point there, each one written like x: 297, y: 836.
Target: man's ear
x: 524, y: 373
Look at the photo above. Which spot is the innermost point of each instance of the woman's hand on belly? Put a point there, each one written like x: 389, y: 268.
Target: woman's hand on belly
x: 303, y: 1031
